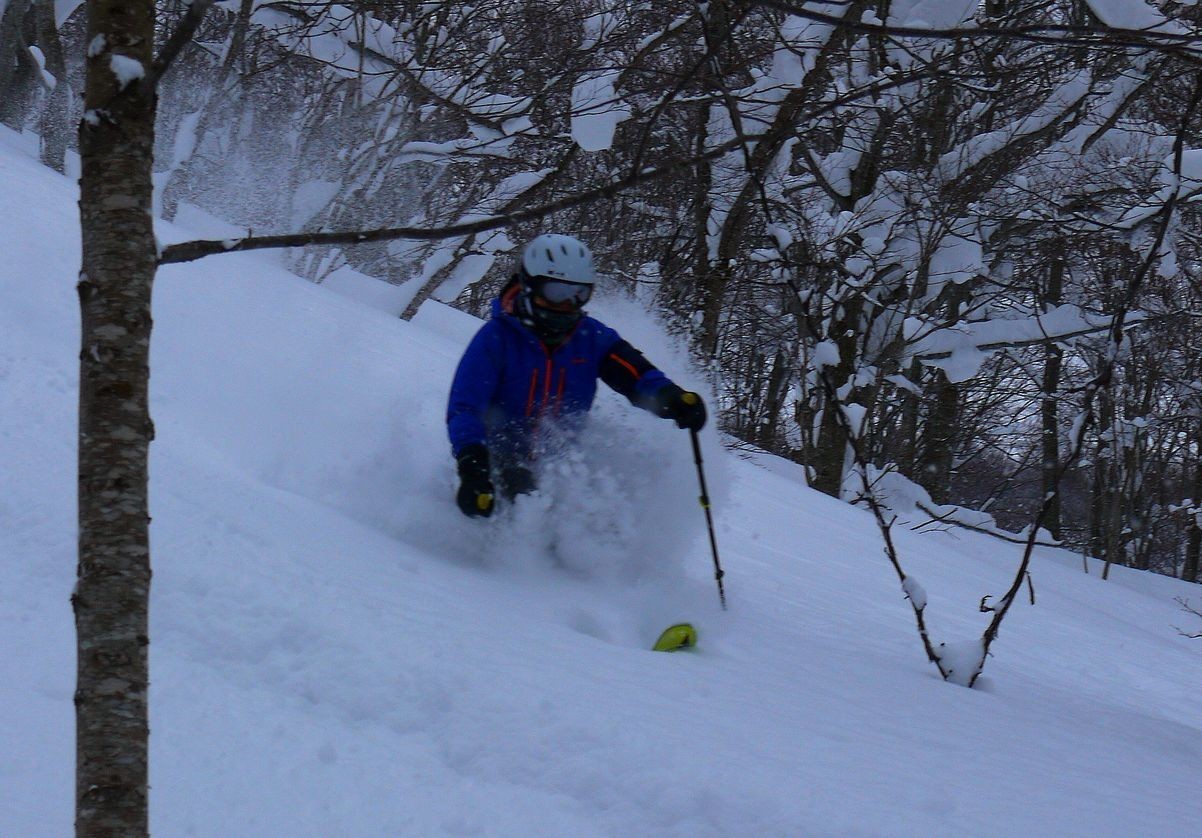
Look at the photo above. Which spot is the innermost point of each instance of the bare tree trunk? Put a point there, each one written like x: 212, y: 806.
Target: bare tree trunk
x: 14, y: 63
x: 830, y: 455
x: 1097, y: 503
x: 178, y: 180
x: 1193, y: 547
x: 934, y: 466
x: 906, y: 443
x: 1110, y: 496
x: 941, y: 424
x: 711, y: 272
x: 703, y: 181
x: 52, y: 124
x: 1135, y: 537
x: 768, y: 428
x: 111, y: 599
x: 1049, y: 413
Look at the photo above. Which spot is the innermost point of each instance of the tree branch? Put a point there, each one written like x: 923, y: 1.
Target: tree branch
x: 945, y: 518
x: 184, y: 32
x: 190, y: 251
x: 1183, y: 45
x: 1024, y: 343
x: 1185, y: 606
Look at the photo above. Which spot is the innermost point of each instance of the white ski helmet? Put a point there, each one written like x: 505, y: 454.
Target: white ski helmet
x: 559, y: 257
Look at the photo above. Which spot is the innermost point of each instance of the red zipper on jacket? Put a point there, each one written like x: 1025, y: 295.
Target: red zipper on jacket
x: 550, y: 373
x: 530, y: 396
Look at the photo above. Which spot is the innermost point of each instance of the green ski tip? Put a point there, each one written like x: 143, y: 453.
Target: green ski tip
x: 679, y: 636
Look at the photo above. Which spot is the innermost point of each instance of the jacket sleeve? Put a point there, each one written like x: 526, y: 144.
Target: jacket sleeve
x: 473, y: 388
x: 626, y: 370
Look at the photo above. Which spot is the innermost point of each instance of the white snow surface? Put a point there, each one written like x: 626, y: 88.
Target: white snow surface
x: 337, y: 651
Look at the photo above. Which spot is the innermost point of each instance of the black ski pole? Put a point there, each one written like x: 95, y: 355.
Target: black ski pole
x: 709, y: 518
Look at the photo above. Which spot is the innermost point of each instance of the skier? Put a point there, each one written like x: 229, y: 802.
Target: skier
x: 536, y: 361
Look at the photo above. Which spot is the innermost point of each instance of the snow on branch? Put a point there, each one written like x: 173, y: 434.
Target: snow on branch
x: 1165, y: 35
x: 977, y: 151
x: 1058, y: 324
x: 344, y: 40
x: 958, y: 516
x: 192, y: 250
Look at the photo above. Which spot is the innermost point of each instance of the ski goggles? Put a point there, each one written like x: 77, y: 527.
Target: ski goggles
x: 559, y: 294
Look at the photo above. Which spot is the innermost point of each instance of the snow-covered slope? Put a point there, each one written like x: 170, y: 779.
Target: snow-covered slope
x: 337, y: 652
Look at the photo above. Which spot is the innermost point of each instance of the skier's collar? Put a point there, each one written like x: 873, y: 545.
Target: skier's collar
x: 508, y: 299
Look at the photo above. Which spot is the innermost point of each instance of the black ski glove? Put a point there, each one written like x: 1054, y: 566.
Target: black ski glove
x: 476, y: 491
x: 514, y: 480
x: 684, y: 406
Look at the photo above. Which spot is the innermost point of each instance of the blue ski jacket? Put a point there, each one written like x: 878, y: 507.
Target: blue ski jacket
x: 509, y: 381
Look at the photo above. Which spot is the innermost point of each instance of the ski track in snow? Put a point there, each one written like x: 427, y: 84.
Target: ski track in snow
x: 335, y: 651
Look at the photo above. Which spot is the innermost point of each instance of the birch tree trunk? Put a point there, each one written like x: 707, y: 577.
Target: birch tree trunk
x: 111, y: 599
